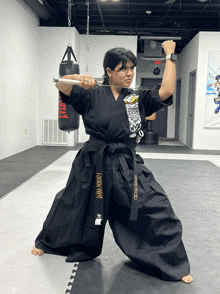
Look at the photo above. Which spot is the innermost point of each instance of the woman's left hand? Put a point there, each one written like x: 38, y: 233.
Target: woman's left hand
x: 168, y: 47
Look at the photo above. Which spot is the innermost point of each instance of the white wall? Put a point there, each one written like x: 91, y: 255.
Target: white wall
x: 19, y: 77
x: 204, y: 138
x: 187, y: 62
x: 195, y: 57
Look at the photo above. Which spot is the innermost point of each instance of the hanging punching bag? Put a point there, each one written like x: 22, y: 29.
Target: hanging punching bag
x: 68, y: 118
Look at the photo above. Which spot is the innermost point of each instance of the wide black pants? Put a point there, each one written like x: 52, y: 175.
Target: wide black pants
x: 154, y: 240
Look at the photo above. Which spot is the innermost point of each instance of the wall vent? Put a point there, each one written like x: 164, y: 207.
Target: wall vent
x: 52, y: 135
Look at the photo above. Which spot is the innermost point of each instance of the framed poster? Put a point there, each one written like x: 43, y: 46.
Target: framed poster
x: 212, y: 105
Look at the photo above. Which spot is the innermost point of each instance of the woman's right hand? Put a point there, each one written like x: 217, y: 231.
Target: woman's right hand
x: 87, y: 82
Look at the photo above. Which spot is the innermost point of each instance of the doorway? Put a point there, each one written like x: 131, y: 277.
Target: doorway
x: 160, y: 124
x: 177, y: 116
x: 191, y: 106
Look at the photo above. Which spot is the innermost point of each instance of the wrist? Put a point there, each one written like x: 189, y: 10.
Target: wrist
x: 172, y: 57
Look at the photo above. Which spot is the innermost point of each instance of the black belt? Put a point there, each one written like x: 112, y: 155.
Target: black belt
x: 113, y: 148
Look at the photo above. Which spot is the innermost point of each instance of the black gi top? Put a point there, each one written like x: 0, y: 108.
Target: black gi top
x: 110, y: 120
x: 113, y: 121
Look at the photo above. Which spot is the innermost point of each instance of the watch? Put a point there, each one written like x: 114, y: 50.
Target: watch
x: 172, y: 57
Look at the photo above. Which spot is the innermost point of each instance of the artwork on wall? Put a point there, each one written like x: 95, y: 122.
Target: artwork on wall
x: 212, y: 108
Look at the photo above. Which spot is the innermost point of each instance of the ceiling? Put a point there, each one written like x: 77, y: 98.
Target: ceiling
x: 157, y: 18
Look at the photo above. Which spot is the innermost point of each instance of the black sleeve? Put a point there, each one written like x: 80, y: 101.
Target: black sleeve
x: 151, y: 100
x: 79, y: 99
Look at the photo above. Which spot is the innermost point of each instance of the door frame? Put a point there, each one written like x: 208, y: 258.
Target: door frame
x: 177, y: 111
x: 191, y: 107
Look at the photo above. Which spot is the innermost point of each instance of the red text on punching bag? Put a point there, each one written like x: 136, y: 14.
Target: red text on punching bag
x: 62, y: 109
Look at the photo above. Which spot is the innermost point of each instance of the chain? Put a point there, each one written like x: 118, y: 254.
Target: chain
x: 87, y: 37
x: 69, y: 13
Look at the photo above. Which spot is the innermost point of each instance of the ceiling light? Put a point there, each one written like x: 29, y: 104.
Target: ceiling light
x: 41, y: 1
x: 159, y: 38
x: 148, y: 12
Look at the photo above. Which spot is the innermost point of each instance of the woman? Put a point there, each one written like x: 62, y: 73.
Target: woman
x: 108, y: 180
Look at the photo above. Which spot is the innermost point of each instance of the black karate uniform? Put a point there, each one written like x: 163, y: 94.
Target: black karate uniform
x: 109, y: 179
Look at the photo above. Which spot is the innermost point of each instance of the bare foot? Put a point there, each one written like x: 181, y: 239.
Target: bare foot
x: 36, y: 251
x: 187, y: 279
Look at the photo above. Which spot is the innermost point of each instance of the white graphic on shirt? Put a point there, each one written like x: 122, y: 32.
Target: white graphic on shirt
x: 131, y: 103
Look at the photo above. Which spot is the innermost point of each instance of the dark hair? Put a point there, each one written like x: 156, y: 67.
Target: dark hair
x: 113, y: 57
